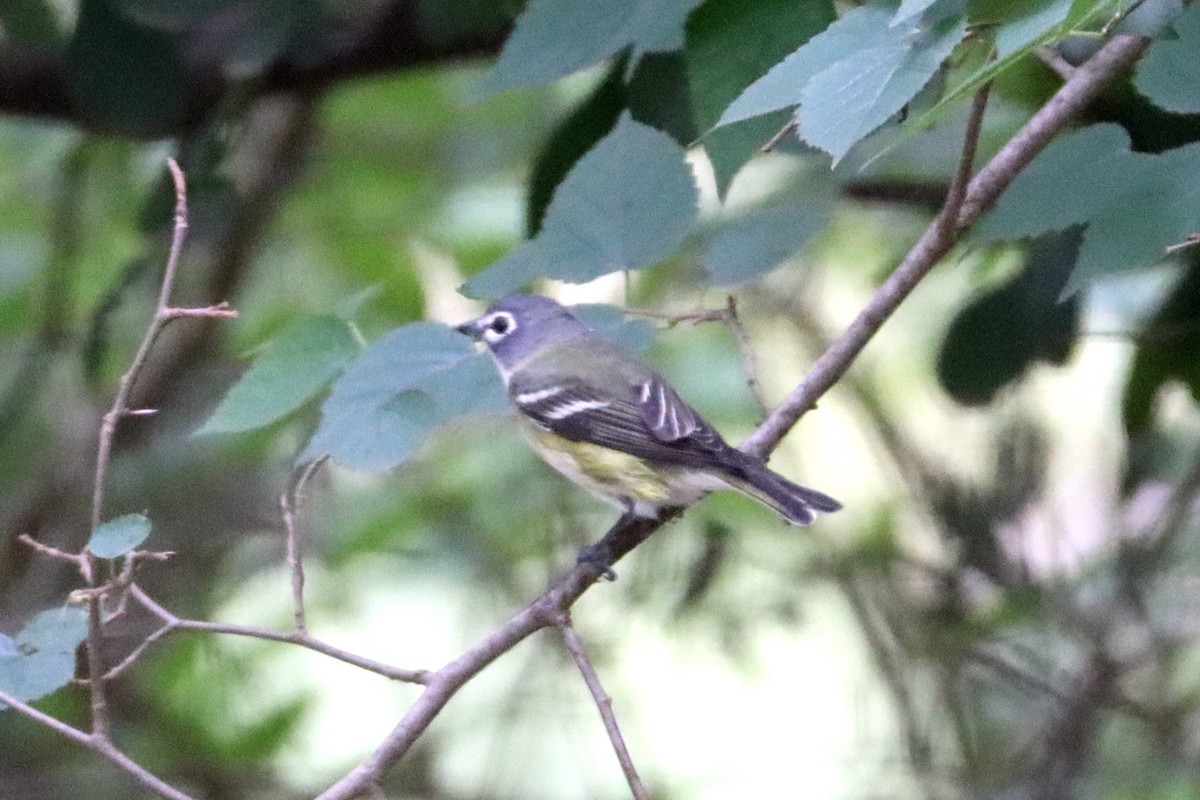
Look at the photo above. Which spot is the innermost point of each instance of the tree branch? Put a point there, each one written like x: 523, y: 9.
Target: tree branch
x: 1074, y: 95
x: 962, y: 208
x: 97, y: 744
x: 37, y: 81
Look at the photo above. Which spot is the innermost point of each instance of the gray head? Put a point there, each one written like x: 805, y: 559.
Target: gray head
x: 516, y: 326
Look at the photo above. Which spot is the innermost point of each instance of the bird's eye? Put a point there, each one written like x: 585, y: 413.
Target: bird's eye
x: 499, y: 325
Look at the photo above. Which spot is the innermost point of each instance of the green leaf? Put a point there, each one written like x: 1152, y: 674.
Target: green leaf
x: 56, y: 630
x: 8, y: 647
x: 42, y: 658
x: 851, y: 99
x: 850, y: 79
x: 289, y: 372
x: 117, y: 537
x: 125, y: 76
x: 404, y: 385
x: 1091, y: 177
x: 658, y: 96
x: 731, y: 146
x: 418, y: 377
x: 859, y: 29
x: 758, y: 242
x: 909, y: 9
x: 609, y: 322
x: 1046, y: 197
x: 1018, y: 27
x: 555, y: 38
x: 1023, y: 23
x: 1151, y: 18
x: 627, y: 204
x: 729, y: 44
x: 1169, y: 75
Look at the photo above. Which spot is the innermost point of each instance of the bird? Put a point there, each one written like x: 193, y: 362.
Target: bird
x: 613, y: 425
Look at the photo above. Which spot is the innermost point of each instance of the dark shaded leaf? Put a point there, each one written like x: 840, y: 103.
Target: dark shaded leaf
x: 575, y: 136
x: 658, y: 96
x: 729, y: 45
x: 125, y: 76
x: 997, y: 337
x: 1168, y: 350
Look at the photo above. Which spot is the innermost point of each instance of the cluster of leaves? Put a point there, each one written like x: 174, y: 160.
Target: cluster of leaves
x: 617, y: 193
x: 41, y: 658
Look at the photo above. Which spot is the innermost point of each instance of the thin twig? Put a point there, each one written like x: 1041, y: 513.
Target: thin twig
x: 1120, y: 17
x: 54, y: 553
x: 603, y: 704
x: 774, y: 141
x: 98, y: 744
x: 289, y: 501
x: 728, y: 316
x: 173, y: 623
x: 161, y: 312
x: 444, y: 683
x: 1191, y: 240
x: 116, y: 671
x: 1050, y: 57
x: 221, y: 310
x: 672, y: 318
x: 746, y: 353
x: 108, y: 429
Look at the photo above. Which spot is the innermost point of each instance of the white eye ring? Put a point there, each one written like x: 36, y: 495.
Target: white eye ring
x: 497, y: 326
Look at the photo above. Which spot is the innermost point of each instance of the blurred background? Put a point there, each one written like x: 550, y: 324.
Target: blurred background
x: 1005, y: 608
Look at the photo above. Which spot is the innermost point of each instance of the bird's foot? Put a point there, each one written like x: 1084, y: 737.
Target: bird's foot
x: 598, y: 556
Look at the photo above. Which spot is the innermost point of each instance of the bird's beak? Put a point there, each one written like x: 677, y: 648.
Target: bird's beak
x: 472, y: 328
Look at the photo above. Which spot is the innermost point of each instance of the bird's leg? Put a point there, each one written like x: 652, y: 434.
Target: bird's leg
x: 626, y: 533
x: 600, y: 555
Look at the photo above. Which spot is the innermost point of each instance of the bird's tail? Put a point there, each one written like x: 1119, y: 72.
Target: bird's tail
x: 797, y: 504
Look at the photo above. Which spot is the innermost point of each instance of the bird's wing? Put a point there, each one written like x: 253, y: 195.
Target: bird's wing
x: 648, y: 421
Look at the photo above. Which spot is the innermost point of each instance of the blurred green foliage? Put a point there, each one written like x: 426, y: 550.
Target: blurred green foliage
x: 1004, y: 607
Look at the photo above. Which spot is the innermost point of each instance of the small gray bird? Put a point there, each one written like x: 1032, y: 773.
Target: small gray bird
x: 613, y: 425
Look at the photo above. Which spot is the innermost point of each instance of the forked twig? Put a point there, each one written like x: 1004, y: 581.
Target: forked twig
x: 173, y: 624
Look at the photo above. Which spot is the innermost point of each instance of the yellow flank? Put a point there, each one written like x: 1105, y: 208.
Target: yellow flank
x: 608, y: 473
